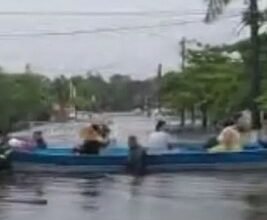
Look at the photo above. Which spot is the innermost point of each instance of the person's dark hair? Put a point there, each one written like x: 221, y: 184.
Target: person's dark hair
x: 159, y: 125
x: 96, y: 128
x: 132, y: 138
x: 232, y: 120
x: 228, y: 122
x: 40, y: 133
x: 105, y: 130
x: 237, y: 116
x: 132, y: 141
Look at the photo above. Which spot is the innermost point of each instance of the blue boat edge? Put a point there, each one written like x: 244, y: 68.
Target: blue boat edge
x: 169, y: 161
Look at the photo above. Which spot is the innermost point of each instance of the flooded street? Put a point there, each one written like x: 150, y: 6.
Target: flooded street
x: 187, y: 196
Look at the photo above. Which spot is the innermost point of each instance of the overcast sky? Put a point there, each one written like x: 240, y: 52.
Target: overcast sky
x: 136, y: 51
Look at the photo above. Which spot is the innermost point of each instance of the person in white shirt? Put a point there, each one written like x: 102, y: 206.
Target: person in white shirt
x: 159, y: 138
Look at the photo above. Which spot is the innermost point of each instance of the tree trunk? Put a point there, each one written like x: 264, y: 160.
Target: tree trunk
x: 182, y: 117
x: 193, y: 116
x: 255, y: 61
x: 204, y: 111
x: 62, y: 115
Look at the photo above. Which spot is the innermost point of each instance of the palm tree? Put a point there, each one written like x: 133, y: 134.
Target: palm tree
x: 252, y: 18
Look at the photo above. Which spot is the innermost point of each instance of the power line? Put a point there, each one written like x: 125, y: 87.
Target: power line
x: 105, y: 13
x: 98, y: 30
x: 104, y: 30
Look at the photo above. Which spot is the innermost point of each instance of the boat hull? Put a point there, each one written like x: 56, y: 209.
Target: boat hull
x: 64, y: 161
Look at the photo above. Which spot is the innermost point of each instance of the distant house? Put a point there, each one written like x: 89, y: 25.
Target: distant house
x: 60, y: 113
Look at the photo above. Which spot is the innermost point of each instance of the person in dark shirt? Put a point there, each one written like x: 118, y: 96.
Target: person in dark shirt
x: 4, y: 138
x: 39, y: 140
x: 136, y: 157
x: 92, y: 140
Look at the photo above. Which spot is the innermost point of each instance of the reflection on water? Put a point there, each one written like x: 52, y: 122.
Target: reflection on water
x: 189, y: 196
x: 201, y: 196
x: 257, y: 204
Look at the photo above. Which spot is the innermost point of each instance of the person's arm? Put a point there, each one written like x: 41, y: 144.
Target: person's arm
x: 213, y: 141
x: 43, y: 144
x: 170, y: 144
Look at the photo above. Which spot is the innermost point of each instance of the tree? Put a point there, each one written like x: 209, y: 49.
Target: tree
x: 212, y: 81
x: 23, y: 97
x: 179, y: 93
x: 253, y: 18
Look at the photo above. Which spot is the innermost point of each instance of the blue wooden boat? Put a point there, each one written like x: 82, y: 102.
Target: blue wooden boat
x: 114, y: 159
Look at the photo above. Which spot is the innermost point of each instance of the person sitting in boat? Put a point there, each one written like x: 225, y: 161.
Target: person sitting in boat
x: 101, y: 125
x: 38, y: 140
x: 159, y: 138
x: 92, y: 140
x: 242, y: 123
x: 214, y: 140
x: 229, y: 141
x: 263, y: 135
x: 105, y: 132
x: 136, y: 156
x: 4, y: 138
x: 5, y: 151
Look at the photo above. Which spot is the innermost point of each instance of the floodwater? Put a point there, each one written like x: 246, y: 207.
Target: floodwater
x: 186, y: 196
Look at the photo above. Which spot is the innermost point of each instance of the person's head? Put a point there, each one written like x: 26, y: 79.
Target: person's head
x: 237, y: 116
x: 230, y: 138
x: 105, y: 130
x: 243, y: 122
x: 228, y: 122
x: 37, y: 135
x: 160, y: 125
x: 133, y: 142
x: 3, y: 137
x: 97, y: 128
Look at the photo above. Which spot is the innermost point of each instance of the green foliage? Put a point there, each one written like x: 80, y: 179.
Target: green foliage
x: 210, y: 79
x: 61, y: 90
x: 120, y: 93
x: 244, y: 48
x: 30, y: 96
x: 23, y: 97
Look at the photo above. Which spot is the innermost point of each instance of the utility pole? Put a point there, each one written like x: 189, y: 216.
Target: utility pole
x: 183, y: 56
x: 72, y: 97
x: 28, y: 68
x: 255, y: 62
x: 183, y: 53
x: 159, y: 77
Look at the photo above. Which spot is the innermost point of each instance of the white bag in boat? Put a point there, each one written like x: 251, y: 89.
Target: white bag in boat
x: 13, y: 142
